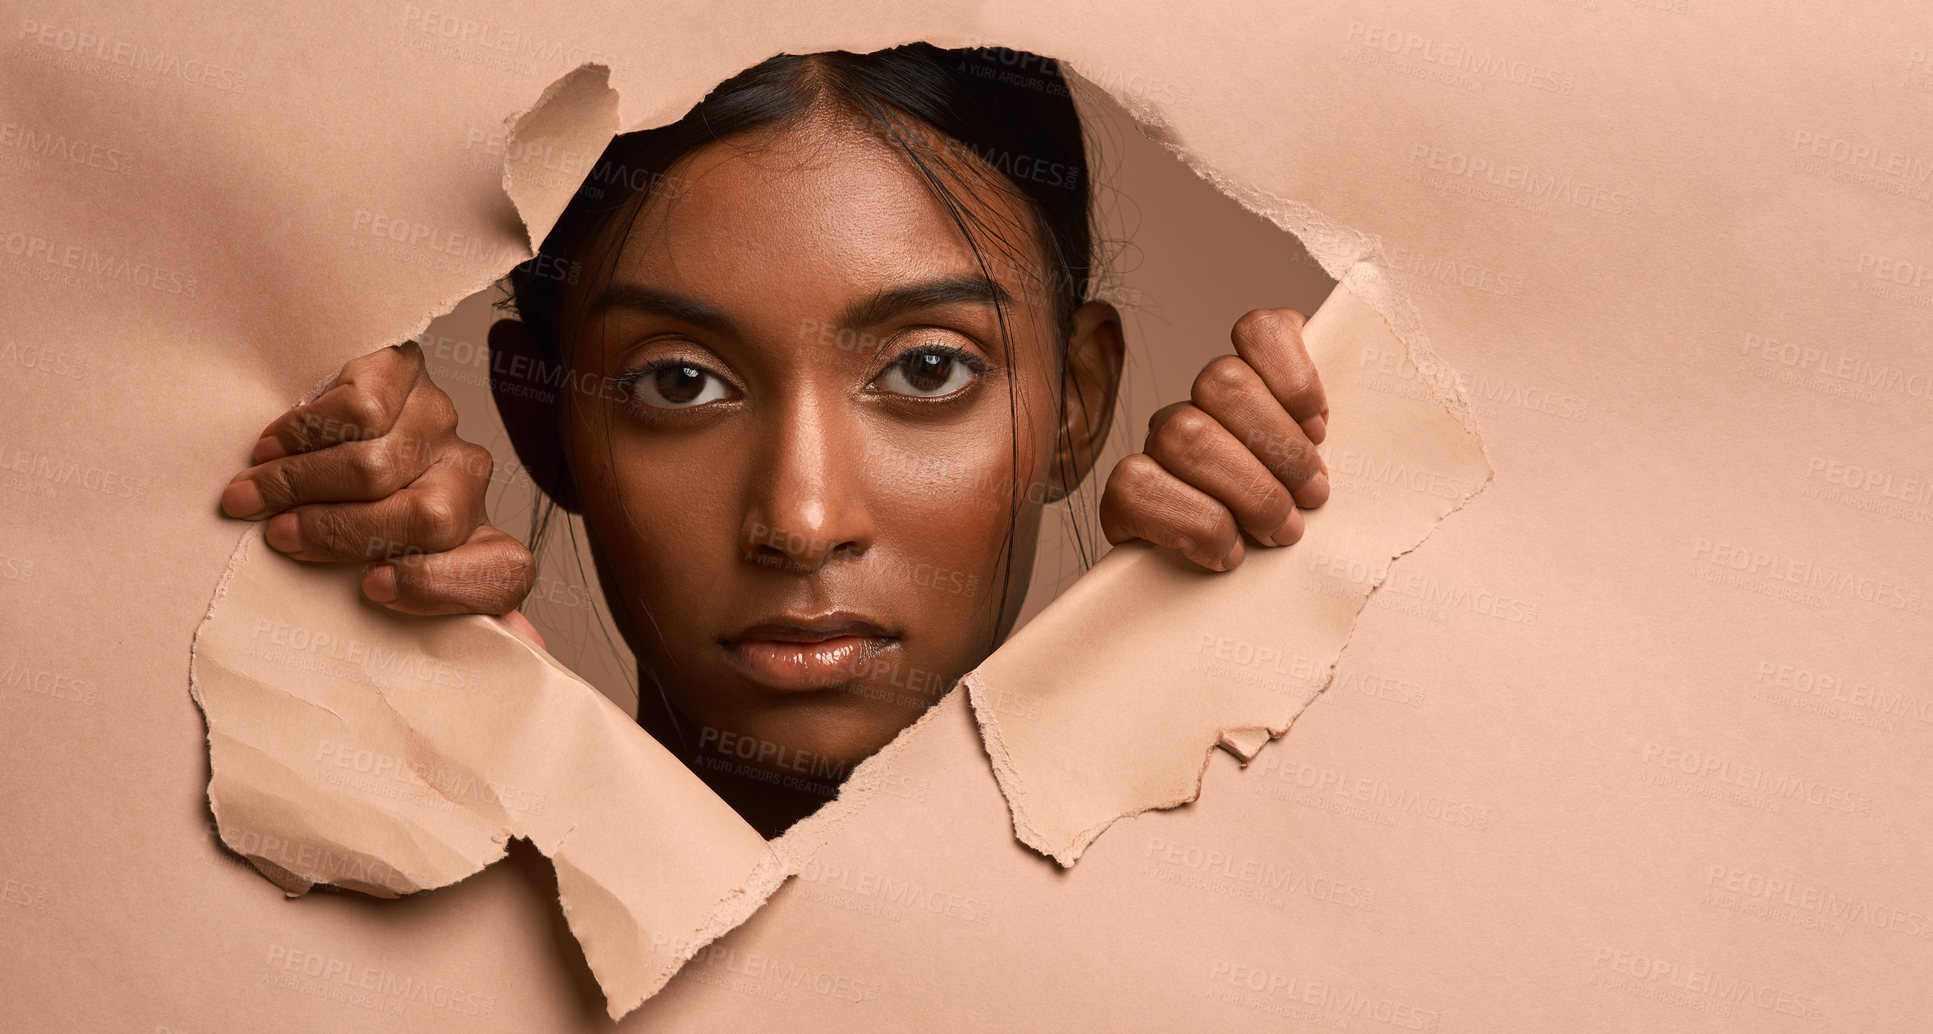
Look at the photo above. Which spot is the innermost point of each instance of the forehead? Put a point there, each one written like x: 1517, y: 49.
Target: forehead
x: 792, y: 216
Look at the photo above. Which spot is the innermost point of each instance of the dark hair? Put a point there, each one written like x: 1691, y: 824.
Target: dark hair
x: 1023, y: 124
x: 1009, y: 110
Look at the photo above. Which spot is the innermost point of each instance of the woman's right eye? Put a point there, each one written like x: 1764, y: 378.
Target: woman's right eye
x: 676, y: 386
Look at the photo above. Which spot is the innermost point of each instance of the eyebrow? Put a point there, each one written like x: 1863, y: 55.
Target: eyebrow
x: 887, y: 305
x: 880, y: 308
x: 664, y: 303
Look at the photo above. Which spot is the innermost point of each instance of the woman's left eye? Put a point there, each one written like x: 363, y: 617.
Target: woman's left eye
x: 928, y: 373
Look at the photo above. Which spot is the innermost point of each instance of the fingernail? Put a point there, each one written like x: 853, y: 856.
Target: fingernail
x: 380, y: 584
x: 269, y: 448
x: 284, y: 532
x: 1233, y: 557
x: 1290, y: 530
x: 242, y: 499
x: 1315, y: 427
x: 1317, y: 489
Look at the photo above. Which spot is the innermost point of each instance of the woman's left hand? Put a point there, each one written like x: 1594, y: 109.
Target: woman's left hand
x: 1238, y: 457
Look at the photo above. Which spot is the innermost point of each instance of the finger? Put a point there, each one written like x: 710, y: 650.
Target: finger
x: 489, y: 574
x: 344, y: 473
x: 1270, y: 341
x: 362, y: 402
x: 1144, y: 501
x: 1161, y: 416
x: 1234, y: 395
x: 436, y: 512
x: 1196, y: 448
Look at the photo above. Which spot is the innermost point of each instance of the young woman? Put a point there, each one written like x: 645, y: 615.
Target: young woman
x: 809, y: 363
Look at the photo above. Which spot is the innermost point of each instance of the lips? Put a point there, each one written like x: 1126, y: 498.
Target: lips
x: 805, y: 654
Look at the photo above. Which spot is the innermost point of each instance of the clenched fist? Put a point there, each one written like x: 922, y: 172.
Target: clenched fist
x: 372, y: 471
x: 1238, y: 457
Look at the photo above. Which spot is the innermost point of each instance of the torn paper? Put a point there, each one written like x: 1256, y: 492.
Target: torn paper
x: 1129, y: 678
x: 388, y: 754
x: 1639, y: 734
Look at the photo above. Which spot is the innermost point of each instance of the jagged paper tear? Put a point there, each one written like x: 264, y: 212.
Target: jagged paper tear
x: 1107, y: 703
x: 390, y: 754
x: 564, y: 131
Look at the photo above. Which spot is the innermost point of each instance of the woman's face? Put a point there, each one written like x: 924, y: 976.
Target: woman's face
x: 819, y: 461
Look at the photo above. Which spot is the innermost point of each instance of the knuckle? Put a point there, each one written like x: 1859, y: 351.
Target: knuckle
x: 490, y: 581
x: 1160, y: 416
x: 374, y: 469
x: 1189, y: 435
x: 476, y: 461
x: 1126, y: 485
x: 433, y: 406
x: 1120, y: 481
x: 437, y: 524
x: 325, y: 530
x: 363, y: 366
x: 1267, y: 500
x: 1299, y: 378
x: 279, y: 487
x: 410, y: 352
x: 1283, y: 452
x: 411, y: 452
x: 363, y: 414
x: 1223, y: 378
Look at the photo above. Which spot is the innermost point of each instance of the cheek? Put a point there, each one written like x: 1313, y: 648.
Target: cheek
x: 953, y: 495
x: 665, y: 514
x: 948, y: 505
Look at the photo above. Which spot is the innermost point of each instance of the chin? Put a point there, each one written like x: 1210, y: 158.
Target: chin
x: 822, y: 735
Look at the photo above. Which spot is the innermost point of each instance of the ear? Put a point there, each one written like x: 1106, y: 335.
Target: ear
x: 527, y: 399
x: 1096, y: 353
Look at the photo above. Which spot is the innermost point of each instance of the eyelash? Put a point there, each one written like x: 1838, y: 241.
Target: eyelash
x: 629, y: 381
x: 954, y: 352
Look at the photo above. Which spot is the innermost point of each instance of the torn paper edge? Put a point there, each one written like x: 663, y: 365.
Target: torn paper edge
x: 517, y: 124
x: 727, y: 913
x: 1348, y: 255
x: 1344, y: 253
x: 291, y: 884
x: 1357, y: 261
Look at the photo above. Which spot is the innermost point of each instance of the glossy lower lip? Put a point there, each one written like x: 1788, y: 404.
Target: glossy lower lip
x: 802, y: 667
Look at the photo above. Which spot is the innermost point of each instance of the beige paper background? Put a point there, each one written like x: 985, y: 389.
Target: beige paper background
x: 1563, y: 812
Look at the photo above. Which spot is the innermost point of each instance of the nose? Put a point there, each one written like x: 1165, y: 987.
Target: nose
x: 807, y: 504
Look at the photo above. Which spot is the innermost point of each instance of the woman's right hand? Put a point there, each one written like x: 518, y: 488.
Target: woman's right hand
x: 373, y: 472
